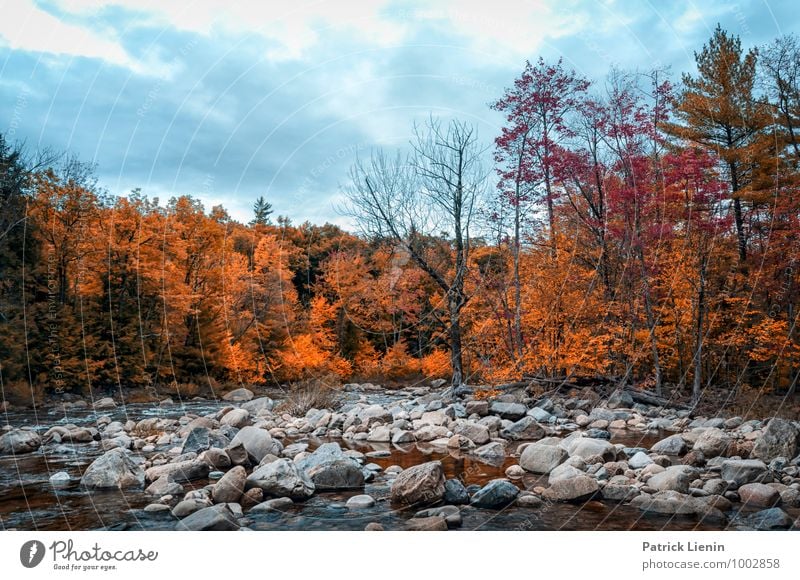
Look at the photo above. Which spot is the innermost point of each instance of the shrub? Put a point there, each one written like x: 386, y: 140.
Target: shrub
x: 23, y: 394
x: 317, y: 393
x: 436, y: 364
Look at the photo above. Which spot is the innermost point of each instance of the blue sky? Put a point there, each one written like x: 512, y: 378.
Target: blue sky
x: 228, y: 100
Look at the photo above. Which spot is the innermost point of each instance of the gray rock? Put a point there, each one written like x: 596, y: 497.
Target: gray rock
x: 496, y: 494
x: 271, y: 505
x: 769, y: 519
x: 673, y: 478
x: 477, y: 407
x: 587, y: 447
x: 164, y: 485
x: 575, y: 489
x: 672, y: 445
x: 525, y: 428
x: 541, y: 458
x: 494, y: 452
x: 255, y: 406
x: 421, y: 484
x: 742, y: 471
x: 675, y: 503
x: 360, y: 501
x: 639, y: 460
x: 712, y: 442
x: 330, y: 468
x: 283, y: 478
x: 450, y: 513
x: 198, y: 440
x: 189, y: 506
x: 402, y: 437
x: 475, y: 432
x: 779, y: 439
x: 431, y: 524
x: 541, y: 415
x: 60, y: 480
x: 239, y: 396
x: 236, y: 418
x: 564, y: 471
x: 257, y: 443
x: 113, y: 469
x: 759, y: 495
x: 455, y: 492
x: 230, y: 488
x: 19, y: 441
x: 512, y: 411
x: 179, y: 471
x: 216, y: 518
x: 620, y: 398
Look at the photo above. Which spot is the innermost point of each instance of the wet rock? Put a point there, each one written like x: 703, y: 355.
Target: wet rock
x: 155, y: 508
x: 402, y: 437
x: 712, y: 442
x: 216, y: 518
x: 230, y: 488
x: 576, y: 489
x: 512, y: 411
x: 239, y: 396
x: 256, y: 442
x: 105, y: 403
x: 60, y: 480
x: 779, y: 439
x: 496, y: 494
x: 431, y: 524
x: 759, y: 495
x: 236, y: 418
x: 676, y: 503
x: 189, y: 506
x: 216, y: 458
x: 769, y: 519
x: 360, y: 501
x: 455, y: 492
x: 450, y: 513
x: 164, y: 485
x: 742, y: 471
x: 674, y: 478
x: 283, y: 478
x: 197, y: 440
x: 493, y: 452
x: 113, y: 469
x: 256, y: 406
x: 525, y: 428
x: 420, y: 484
x: 382, y: 434
x: 180, y: 471
x: 586, y: 447
x: 541, y: 458
x: 271, y: 505
x: 621, y: 490
x: 475, y: 432
x: 330, y: 468
x: 514, y: 471
x: 19, y: 441
x: 672, y: 445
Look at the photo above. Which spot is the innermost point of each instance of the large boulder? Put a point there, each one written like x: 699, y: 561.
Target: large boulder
x: 114, y: 469
x: 421, y: 484
x: 673, y: 478
x: 257, y: 442
x: 239, y: 396
x: 475, y: 432
x: 492, y: 453
x: 179, y: 471
x: 255, y: 406
x: 496, y: 494
x: 742, y: 471
x: 455, y: 492
x: 512, y: 411
x: 236, y: 418
x: 586, y: 447
x: 214, y: 518
x: 197, y: 441
x: 329, y: 468
x: 230, y: 487
x: 574, y: 489
x: 20, y: 441
x: 541, y: 458
x: 779, y: 439
x: 282, y: 478
x: 712, y: 442
x: 759, y: 495
x: 525, y: 428
x: 672, y: 445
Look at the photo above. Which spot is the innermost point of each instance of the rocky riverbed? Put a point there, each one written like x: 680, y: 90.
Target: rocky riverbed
x: 413, y: 458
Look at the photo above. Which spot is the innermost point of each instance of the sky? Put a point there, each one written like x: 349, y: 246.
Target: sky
x: 229, y: 100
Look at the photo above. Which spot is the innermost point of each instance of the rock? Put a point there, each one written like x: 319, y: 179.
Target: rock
x: 373, y: 527
x: 255, y: 406
x: 381, y: 434
x: 230, y: 488
x: 769, y: 519
x: 360, y: 501
x: 402, y: 437
x: 779, y: 439
x: 514, y: 471
x: 477, y: 408
x: 421, y: 484
x: 619, y: 398
x: 60, y: 480
x: 564, y: 471
x: 493, y: 452
x: 639, y: 460
x: 742, y: 471
x: 19, y: 441
x: 330, y: 468
x: 619, y: 492
x: 586, y: 447
x: 525, y: 428
x: 155, y: 508
x: 164, y: 485
x: 239, y: 396
x: 180, y: 471
x: 512, y: 411
x: 541, y: 415
x: 575, y: 489
x: 216, y: 518
x: 113, y: 469
x: 475, y: 432
x: 236, y: 418
x: 459, y: 442
x: 675, y: 503
x: 496, y: 494
x: 759, y: 495
x: 105, y: 403
x: 672, y: 445
x: 431, y: 524
x: 541, y: 458
x: 198, y: 440
x: 256, y: 442
x: 455, y: 492
x: 216, y: 458
x: 374, y: 414
x: 712, y: 442
x: 673, y: 478
x: 450, y: 513
x: 283, y: 478
x: 271, y: 505
x: 189, y: 506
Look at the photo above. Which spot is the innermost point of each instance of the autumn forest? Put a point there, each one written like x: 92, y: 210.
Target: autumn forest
x: 641, y: 228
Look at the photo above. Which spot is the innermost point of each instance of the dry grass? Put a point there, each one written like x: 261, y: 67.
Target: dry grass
x: 310, y: 394
x: 22, y: 394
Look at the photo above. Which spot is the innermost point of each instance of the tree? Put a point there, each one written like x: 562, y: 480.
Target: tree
x: 425, y: 204
x: 262, y: 209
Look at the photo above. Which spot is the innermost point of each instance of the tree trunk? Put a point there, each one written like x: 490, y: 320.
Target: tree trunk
x: 698, y: 354
x: 517, y: 347
x: 456, y: 357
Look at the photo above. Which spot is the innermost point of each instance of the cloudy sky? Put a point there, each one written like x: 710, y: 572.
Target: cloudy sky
x: 229, y: 99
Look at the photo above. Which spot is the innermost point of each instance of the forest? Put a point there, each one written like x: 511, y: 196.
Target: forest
x: 640, y: 228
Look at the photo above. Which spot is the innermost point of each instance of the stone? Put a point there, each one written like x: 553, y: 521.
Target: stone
x: 421, y: 484
x: 402, y: 437
x: 742, y: 471
x: 475, y: 432
x: 672, y: 445
x: 759, y: 495
x: 541, y: 458
x: 373, y: 527
x: 236, y: 418
x: 619, y: 492
x: 541, y: 415
x: 164, y: 485
x: 564, y: 471
x: 450, y: 513
x: 514, y: 471
x: 493, y: 452
x: 275, y: 504
x: 769, y: 519
x: 331, y: 469
x: 512, y: 411
x: 779, y: 439
x: 525, y: 428
x: 230, y: 488
x: 216, y: 458
x: 458, y: 442
x: 113, y: 469
x: 673, y: 478
x: 576, y: 489
x: 198, y: 440
x: 529, y: 501
x: 179, y: 471
x: 455, y: 492
x: 216, y: 518
x: 586, y: 447
x: 619, y: 398
x: 431, y: 524
x: 282, y: 478
x: 105, y: 403
x: 155, y: 508
x: 381, y: 434
x: 60, y: 480
x: 374, y: 414
x: 676, y: 503
x: 360, y: 501
x: 19, y: 441
x: 477, y: 408
x: 239, y: 396
x: 496, y: 494
x: 256, y: 442
x: 188, y: 506
x: 712, y: 442
x: 256, y: 406
x: 639, y: 460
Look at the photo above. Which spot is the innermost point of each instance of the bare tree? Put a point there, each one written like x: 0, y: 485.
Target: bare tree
x: 423, y: 202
